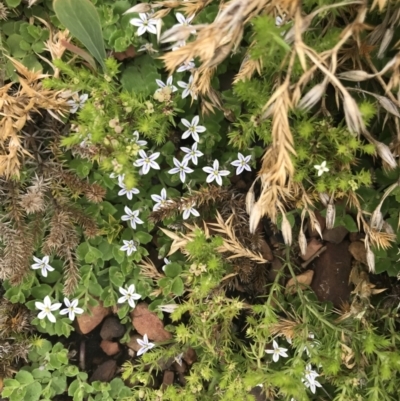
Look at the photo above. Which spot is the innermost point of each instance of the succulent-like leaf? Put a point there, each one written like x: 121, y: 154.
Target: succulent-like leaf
x: 82, y: 20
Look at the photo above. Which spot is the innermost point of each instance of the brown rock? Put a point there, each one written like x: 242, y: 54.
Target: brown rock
x: 146, y: 322
x: 182, y: 368
x: 87, y: 322
x: 258, y: 394
x: 322, y: 223
x: 241, y: 184
x: 358, y: 251
x: 130, y: 52
x: 111, y: 328
x: 312, y: 247
x: 356, y: 236
x: 335, y: 235
x: 182, y: 379
x: 265, y: 250
x: 133, y: 344
x: 105, y: 372
x: 331, y: 274
x: 190, y: 356
x: 109, y: 347
x: 168, y: 379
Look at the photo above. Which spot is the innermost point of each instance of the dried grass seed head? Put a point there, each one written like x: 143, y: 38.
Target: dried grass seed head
x: 302, y: 242
x: 353, y: 116
x: 385, y: 154
x: 286, y: 230
x: 330, y: 216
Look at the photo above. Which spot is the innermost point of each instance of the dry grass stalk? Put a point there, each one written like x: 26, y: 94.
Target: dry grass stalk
x: 231, y: 243
x: 379, y: 239
x: 54, y: 45
x: 215, y: 41
x: 205, y: 196
x: 16, y: 109
x: 284, y: 327
x: 248, y: 67
x: 149, y: 270
x: 179, y: 241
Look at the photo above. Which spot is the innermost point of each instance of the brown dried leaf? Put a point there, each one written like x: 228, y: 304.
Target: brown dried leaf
x: 303, y: 280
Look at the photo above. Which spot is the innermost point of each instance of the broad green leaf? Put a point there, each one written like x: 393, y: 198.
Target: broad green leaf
x: 13, y: 3
x: 349, y: 223
x: 95, y: 289
x: 119, y: 255
x: 39, y: 374
x: 14, y: 295
x: 82, y: 19
x: 24, y: 377
x: 140, y: 76
x: 71, y: 370
x: 59, y: 383
x: 172, y: 269
x: 142, y: 237
x: 116, y: 277
x: 18, y: 394
x: 40, y: 291
x: 11, y: 383
x: 32, y: 63
x: 13, y: 43
x: 82, y: 250
x: 33, y: 392
x: 93, y: 254
x: 177, y: 286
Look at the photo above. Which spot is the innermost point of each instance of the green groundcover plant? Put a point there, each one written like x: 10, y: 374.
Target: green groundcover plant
x: 145, y: 149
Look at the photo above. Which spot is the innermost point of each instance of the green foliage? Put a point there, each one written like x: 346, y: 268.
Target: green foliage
x: 81, y: 19
x: 229, y: 328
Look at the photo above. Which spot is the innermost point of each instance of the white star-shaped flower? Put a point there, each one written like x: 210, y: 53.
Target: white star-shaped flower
x: 168, y: 84
x: 311, y: 336
x: 185, y: 21
x: 214, y: 173
x: 161, y: 200
x: 188, y: 210
x: 137, y: 140
x: 71, y: 309
x: 128, y: 192
x: 76, y: 105
x: 192, y: 154
x: 187, y: 88
x: 129, y: 247
x: 312, y: 384
x: 132, y: 216
x: 189, y: 65
x: 277, y: 351
x: 167, y: 262
x: 46, y: 308
x: 145, y: 24
x: 321, y: 168
x: 42, y: 264
x: 278, y: 20
x: 128, y: 295
x: 168, y: 308
x: 178, y: 359
x: 147, y: 162
x: 310, y: 374
x: 119, y: 176
x: 242, y: 163
x: 193, y: 129
x: 181, y: 168
x: 145, y: 345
